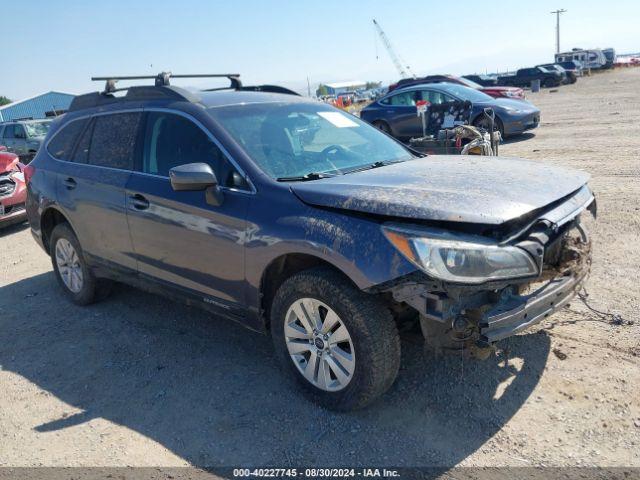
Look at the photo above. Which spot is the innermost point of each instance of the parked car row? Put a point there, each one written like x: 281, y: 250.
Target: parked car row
x: 494, y: 91
x: 566, y: 68
x: 395, y: 113
x: 524, y: 77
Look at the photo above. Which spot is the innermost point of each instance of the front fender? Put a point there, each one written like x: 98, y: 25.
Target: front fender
x: 355, y: 245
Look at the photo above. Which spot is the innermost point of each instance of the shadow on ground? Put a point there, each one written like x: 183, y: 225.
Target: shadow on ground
x: 13, y: 228
x: 519, y: 138
x: 210, y: 391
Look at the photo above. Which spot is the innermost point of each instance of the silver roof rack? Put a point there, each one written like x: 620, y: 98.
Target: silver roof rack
x: 162, y: 79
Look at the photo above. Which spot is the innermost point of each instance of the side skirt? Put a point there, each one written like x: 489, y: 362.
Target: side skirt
x: 232, y: 311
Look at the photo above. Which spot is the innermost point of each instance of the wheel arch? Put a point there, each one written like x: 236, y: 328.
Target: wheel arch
x: 50, y: 218
x: 385, y: 121
x: 283, y: 267
x: 479, y: 117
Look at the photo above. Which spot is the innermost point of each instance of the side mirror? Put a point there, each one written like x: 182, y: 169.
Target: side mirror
x: 196, y: 176
x: 192, y: 176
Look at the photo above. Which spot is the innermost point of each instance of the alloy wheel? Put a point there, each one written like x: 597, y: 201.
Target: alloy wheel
x: 69, y: 266
x: 319, y: 344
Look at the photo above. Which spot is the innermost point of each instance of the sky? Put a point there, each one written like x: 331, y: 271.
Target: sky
x: 59, y: 45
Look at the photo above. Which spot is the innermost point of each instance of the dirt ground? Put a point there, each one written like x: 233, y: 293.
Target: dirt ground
x: 141, y: 381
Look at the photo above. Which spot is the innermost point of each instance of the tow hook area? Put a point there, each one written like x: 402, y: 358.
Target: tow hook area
x: 460, y: 335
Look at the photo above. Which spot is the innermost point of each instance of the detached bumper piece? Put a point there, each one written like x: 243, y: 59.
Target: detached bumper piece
x: 518, y: 312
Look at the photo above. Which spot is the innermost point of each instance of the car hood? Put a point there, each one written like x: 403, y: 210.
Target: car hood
x: 483, y: 190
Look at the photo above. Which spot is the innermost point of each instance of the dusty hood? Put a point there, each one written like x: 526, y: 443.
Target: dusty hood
x: 487, y: 190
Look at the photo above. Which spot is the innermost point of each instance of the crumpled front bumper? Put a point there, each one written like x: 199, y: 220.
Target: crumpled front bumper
x: 518, y: 312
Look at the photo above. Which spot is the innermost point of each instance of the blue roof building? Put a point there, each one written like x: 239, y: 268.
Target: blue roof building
x: 37, y: 106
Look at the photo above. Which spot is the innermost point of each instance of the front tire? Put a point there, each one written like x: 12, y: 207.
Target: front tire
x: 483, y: 122
x: 338, y: 343
x: 71, y: 269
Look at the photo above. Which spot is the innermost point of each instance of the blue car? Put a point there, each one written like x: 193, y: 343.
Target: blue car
x: 303, y: 222
x: 395, y: 113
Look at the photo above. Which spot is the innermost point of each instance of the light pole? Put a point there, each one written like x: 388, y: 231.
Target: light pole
x: 558, y: 12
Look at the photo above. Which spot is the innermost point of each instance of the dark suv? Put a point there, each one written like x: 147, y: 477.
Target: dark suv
x: 295, y: 218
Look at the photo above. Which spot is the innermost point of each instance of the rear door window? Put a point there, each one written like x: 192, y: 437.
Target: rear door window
x: 62, y: 143
x: 81, y: 153
x: 435, y: 98
x: 113, y: 142
x: 404, y: 99
x: 8, y: 132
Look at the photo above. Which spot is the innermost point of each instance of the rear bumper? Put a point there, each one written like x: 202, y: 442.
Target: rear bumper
x: 516, y: 313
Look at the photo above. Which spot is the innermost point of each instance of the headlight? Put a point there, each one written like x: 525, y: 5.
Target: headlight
x: 512, y: 109
x: 460, y: 258
x: 514, y: 93
x: 19, y: 176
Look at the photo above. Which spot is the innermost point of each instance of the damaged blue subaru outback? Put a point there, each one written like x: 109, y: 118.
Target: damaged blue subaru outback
x: 301, y: 221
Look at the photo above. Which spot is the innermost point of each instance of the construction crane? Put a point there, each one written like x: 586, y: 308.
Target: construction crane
x: 404, y: 71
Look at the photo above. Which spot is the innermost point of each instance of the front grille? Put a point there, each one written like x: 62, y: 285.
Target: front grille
x: 7, y: 185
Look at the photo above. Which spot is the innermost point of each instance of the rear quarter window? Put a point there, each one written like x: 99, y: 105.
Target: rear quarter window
x: 62, y: 143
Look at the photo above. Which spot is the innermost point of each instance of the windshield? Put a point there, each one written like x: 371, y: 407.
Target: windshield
x: 297, y: 139
x: 465, y: 93
x: 38, y: 129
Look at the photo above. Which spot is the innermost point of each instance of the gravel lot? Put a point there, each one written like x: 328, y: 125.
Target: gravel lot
x: 140, y: 381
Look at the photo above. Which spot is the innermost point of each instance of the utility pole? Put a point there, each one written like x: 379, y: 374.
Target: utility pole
x: 558, y: 12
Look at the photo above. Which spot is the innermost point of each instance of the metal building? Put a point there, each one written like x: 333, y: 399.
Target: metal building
x: 38, y: 106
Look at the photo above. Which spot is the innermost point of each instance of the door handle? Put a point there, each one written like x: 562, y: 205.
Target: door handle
x: 70, y: 183
x: 138, y: 202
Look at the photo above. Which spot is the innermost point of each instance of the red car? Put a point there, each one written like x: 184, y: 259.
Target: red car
x: 514, y: 93
x: 13, y: 189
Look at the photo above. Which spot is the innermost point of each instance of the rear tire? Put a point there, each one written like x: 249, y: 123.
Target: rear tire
x: 363, y: 320
x: 383, y: 126
x: 71, y: 269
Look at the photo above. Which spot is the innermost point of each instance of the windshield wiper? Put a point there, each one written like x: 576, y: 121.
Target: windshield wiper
x: 371, y: 166
x: 304, y: 178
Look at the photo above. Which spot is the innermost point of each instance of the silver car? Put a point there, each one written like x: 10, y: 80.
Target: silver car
x: 24, y: 137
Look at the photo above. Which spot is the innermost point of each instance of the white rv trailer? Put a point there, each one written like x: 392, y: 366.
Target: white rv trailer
x: 593, y: 58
